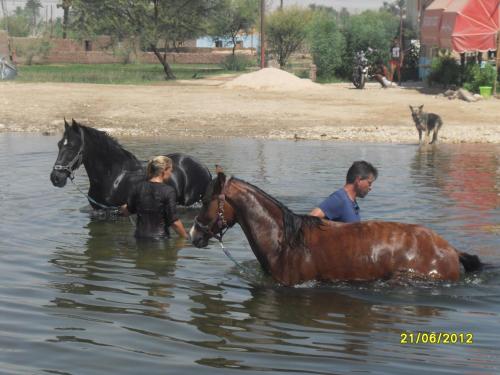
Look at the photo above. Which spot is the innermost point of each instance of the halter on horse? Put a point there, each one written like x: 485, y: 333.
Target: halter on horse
x: 297, y: 248
x: 112, y: 170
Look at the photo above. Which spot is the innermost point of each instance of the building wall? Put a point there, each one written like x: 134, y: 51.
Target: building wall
x: 99, y: 52
x: 4, y: 44
x: 248, y: 41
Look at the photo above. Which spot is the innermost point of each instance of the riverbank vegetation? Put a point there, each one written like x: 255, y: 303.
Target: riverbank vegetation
x: 113, y: 73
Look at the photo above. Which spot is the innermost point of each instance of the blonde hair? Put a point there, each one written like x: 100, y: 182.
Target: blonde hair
x: 157, y: 165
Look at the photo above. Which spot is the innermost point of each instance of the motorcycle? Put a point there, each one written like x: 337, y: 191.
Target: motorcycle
x: 361, y: 69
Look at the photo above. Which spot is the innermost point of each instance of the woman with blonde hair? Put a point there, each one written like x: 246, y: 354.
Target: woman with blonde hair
x: 155, y: 202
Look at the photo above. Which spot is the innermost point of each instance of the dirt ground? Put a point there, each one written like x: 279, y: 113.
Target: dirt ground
x: 208, y: 109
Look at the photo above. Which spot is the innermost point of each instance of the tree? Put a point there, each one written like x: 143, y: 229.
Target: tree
x: 326, y: 43
x: 17, y: 24
x: 65, y: 5
x: 286, y: 30
x: 149, y: 21
x: 234, y: 17
x: 394, y: 7
x: 32, y: 7
x: 374, y: 29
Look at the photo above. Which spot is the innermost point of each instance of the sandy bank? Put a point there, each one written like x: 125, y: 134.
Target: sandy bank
x: 215, y: 108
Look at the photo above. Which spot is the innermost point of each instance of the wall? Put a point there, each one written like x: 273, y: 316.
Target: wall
x: 73, y: 52
x: 4, y: 44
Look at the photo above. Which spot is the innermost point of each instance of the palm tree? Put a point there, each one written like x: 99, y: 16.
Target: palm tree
x: 32, y: 7
x: 65, y: 5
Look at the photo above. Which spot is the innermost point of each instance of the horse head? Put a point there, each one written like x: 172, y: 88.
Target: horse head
x: 216, y: 214
x: 70, y: 155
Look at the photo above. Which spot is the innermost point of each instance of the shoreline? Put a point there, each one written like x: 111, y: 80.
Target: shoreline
x: 332, y: 112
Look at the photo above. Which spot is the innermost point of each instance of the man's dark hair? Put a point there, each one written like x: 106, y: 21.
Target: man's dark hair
x: 360, y: 168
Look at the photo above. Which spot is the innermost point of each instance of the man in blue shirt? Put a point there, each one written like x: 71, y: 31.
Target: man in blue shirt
x: 341, y: 205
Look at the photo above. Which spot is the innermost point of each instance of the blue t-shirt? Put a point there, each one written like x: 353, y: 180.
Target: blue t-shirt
x: 339, y: 207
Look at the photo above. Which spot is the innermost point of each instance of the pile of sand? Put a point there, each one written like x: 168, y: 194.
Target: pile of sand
x: 272, y: 79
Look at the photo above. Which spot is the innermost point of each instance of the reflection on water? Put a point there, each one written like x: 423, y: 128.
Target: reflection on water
x: 470, y: 178
x: 80, y: 295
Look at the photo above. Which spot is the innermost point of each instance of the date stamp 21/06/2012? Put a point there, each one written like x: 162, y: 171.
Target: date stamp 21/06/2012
x: 436, y: 338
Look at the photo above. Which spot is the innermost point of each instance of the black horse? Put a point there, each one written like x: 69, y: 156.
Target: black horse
x: 112, y: 170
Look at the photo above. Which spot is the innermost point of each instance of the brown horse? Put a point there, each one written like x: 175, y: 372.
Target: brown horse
x: 297, y: 248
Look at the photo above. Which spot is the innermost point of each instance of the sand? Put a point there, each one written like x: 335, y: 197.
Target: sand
x: 269, y: 104
x: 272, y: 79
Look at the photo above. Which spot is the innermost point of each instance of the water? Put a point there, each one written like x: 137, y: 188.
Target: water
x: 78, y: 295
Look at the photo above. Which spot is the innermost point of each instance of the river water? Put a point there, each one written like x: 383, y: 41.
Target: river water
x: 78, y: 295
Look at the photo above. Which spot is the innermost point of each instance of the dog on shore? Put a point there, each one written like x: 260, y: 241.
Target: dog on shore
x: 426, y: 122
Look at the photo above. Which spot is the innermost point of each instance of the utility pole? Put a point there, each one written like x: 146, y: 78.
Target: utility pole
x: 497, y: 64
x: 262, y: 36
x: 281, y: 4
x: 4, y: 12
x: 401, y: 49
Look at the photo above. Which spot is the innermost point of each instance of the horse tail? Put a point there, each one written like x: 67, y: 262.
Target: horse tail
x: 470, y: 262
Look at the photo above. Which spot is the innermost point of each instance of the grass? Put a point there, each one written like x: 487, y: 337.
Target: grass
x: 113, y: 73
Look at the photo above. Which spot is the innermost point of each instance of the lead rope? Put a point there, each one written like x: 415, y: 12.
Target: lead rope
x: 102, y: 206
x: 241, y: 267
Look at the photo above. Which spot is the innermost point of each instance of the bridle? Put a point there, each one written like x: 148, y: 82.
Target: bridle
x: 219, y: 219
x: 75, y: 162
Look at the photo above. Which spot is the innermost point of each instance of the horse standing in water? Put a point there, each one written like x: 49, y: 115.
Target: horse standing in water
x: 297, y: 248
x: 113, y: 171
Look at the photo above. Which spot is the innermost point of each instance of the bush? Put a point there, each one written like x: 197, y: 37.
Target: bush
x: 445, y: 70
x: 475, y: 76
x: 327, y: 44
x: 38, y: 49
x: 409, y: 70
x: 236, y: 63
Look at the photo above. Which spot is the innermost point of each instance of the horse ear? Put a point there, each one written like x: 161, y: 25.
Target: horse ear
x: 66, y: 125
x: 74, y: 123
x: 411, y: 108
x: 218, y: 169
x: 421, y: 107
x: 221, y: 181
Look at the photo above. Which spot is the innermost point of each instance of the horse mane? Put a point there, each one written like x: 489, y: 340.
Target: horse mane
x: 104, y: 141
x: 293, y: 224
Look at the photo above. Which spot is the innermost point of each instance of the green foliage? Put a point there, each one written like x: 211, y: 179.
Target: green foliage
x: 475, y: 76
x: 110, y: 73
x: 409, y: 70
x: 286, y: 30
x: 234, y: 17
x: 326, y: 43
x: 445, y: 70
x: 374, y: 29
x: 394, y: 7
x: 236, y: 63
x: 153, y: 23
x: 17, y: 24
x: 37, y: 49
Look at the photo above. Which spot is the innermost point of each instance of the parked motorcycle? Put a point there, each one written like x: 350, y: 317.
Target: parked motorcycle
x: 361, y: 69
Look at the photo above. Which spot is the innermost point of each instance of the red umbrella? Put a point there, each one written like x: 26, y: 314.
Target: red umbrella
x: 470, y: 25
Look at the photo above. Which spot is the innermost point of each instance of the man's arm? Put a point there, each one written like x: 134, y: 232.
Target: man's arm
x: 318, y: 212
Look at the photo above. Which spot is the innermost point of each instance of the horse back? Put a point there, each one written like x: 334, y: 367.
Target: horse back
x: 381, y: 250
x: 190, y: 178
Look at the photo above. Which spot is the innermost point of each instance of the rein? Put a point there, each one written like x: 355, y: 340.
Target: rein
x: 102, y: 206
x: 222, y: 226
